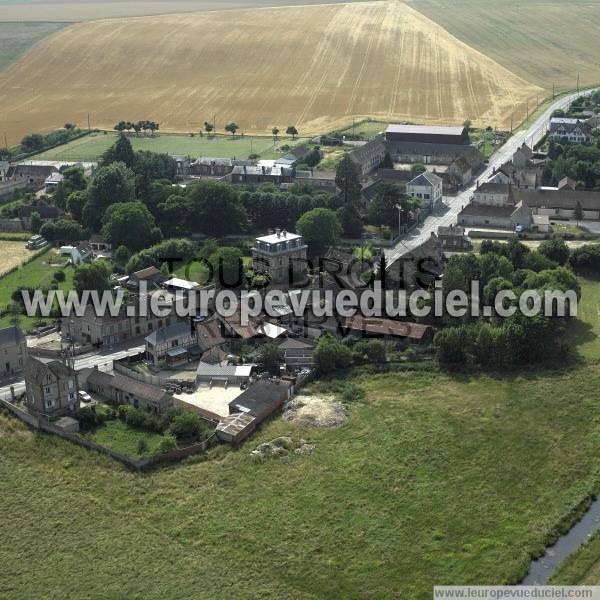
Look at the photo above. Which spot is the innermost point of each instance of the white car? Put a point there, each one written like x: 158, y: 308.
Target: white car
x: 519, y: 228
x: 84, y: 397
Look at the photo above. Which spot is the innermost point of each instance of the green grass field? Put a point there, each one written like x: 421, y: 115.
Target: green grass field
x: 17, y: 38
x: 434, y: 478
x: 91, y: 148
x: 36, y: 274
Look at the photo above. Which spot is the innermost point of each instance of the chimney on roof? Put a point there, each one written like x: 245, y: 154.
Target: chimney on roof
x: 278, y: 232
x: 284, y: 233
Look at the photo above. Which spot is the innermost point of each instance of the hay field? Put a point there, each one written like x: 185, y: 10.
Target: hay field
x: 12, y: 254
x: 260, y: 68
x: 89, y: 10
x: 543, y: 41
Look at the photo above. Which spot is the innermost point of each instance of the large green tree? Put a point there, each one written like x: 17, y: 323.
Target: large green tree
x: 110, y: 185
x: 129, y: 224
x: 320, y: 229
x: 215, y: 209
x: 347, y: 179
x: 73, y: 180
x: 92, y: 276
x: 120, y: 151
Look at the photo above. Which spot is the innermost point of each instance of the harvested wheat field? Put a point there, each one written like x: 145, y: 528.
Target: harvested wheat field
x: 316, y: 67
x: 529, y: 38
x: 12, y: 254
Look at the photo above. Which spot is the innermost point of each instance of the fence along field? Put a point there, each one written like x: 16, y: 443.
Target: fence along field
x: 260, y: 68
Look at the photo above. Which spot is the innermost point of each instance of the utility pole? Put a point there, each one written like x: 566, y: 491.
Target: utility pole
x: 577, y: 82
x: 511, y: 124
x: 553, y: 91
x: 528, y: 110
x: 214, y: 124
x: 5, y: 141
x: 88, y: 119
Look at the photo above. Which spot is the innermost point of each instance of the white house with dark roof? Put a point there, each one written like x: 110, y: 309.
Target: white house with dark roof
x: 428, y: 188
x: 574, y: 131
x: 275, y: 253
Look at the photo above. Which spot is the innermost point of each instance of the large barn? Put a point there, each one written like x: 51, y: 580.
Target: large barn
x: 431, y: 145
x: 427, y: 134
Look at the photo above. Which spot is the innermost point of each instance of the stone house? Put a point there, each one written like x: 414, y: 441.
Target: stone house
x: 120, y: 389
x: 297, y: 354
x: 368, y: 157
x: 13, y: 351
x: 275, y: 254
x: 51, y: 388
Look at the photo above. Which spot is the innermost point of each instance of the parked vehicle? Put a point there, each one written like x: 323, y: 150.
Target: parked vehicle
x: 84, y: 397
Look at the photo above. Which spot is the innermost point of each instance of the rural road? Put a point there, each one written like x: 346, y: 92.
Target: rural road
x: 102, y: 360
x: 454, y: 204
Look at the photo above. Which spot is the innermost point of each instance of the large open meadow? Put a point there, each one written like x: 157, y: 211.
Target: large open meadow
x: 433, y: 478
x: 92, y: 147
x: 260, y: 68
x: 544, y: 41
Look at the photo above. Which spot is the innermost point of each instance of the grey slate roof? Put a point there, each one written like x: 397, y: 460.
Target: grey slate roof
x: 11, y: 336
x: 166, y: 334
x: 426, y: 178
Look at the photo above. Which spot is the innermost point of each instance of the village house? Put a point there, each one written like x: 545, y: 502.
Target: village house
x: 51, y: 388
x: 507, y: 216
x: 454, y: 238
x: 153, y: 277
x: 100, y: 246
x: 399, y: 177
x: 494, y: 194
x: 105, y: 329
x: 46, y: 212
x: 171, y: 344
x: 322, y: 180
x: 419, y: 267
x: 51, y: 182
x: 369, y: 157
x: 79, y: 254
x: 13, y: 351
x: 119, y: 389
x: 573, y: 131
x: 216, y: 167
x: 208, y: 333
x: 460, y: 171
x: 278, y: 254
x: 297, y: 354
x: 562, y: 202
x: 255, y: 175
x: 428, y: 188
